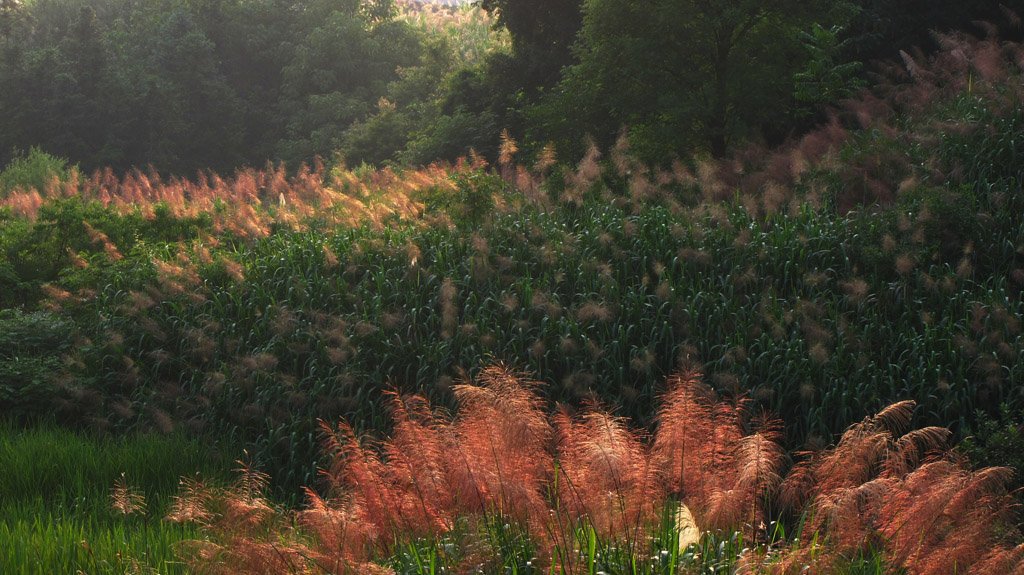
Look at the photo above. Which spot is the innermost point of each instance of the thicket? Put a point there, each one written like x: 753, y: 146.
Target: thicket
x: 255, y: 305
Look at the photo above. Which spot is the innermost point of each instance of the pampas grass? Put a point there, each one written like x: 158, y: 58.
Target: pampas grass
x: 574, y: 492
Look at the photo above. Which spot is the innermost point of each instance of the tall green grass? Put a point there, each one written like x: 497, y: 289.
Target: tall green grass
x: 55, y: 499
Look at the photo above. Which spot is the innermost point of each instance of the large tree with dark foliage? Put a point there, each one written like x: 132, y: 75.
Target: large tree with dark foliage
x: 186, y: 86
x: 681, y: 74
x: 543, y: 32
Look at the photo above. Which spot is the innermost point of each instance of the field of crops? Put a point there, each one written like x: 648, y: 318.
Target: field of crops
x: 879, y: 259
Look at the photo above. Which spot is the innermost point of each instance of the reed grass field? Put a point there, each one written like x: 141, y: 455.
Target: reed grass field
x: 766, y: 362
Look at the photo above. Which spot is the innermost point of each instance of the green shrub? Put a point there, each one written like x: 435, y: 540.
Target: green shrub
x: 998, y: 442
x: 33, y: 171
x: 32, y: 334
x: 30, y: 344
x: 454, y: 136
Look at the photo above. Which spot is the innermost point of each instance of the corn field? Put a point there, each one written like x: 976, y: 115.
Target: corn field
x: 819, y: 282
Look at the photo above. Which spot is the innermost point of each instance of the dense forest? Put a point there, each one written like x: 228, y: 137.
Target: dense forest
x: 511, y: 286
x: 221, y: 84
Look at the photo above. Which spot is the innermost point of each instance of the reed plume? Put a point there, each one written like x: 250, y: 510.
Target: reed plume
x: 569, y: 482
x: 503, y: 436
x: 902, y: 493
x: 607, y: 474
x: 126, y: 499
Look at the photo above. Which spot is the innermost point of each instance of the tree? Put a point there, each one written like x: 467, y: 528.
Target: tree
x: 199, y: 115
x: 685, y: 74
x: 542, y: 31
x: 86, y: 111
x: 13, y: 15
x: 340, y: 69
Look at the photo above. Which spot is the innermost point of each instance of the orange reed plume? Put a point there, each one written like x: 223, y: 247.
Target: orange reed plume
x: 417, y: 454
x: 707, y: 461
x: 568, y: 480
x: 607, y: 474
x: 358, y: 469
x: 681, y: 445
x: 905, y: 495
x: 192, y: 504
x: 126, y: 499
x: 503, y: 439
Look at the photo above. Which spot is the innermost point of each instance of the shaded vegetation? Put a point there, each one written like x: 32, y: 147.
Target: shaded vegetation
x: 257, y: 304
x: 817, y: 253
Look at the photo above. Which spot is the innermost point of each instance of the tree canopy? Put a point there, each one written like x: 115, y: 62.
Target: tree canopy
x: 223, y: 83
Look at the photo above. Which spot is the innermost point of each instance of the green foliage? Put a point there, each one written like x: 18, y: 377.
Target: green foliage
x: 41, y: 254
x: 339, y: 70
x: 997, y: 441
x: 515, y: 553
x: 30, y: 349
x: 543, y: 33
x: 376, y: 140
x: 197, y: 85
x: 27, y: 389
x: 13, y: 291
x: 454, y: 136
x: 990, y: 154
x: 826, y: 80
x: 220, y: 85
x: 35, y: 333
x: 473, y: 197
x: 447, y: 104
x: 729, y: 77
x: 56, y: 516
x: 36, y: 170
x: 67, y: 230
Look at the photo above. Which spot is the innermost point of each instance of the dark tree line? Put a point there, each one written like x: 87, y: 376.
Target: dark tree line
x: 691, y: 75
x: 189, y: 85
x: 222, y: 83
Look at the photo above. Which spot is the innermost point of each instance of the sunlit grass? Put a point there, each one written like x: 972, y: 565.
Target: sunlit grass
x: 55, y: 509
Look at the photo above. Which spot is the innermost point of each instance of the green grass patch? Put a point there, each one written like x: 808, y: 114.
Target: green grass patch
x: 55, y: 510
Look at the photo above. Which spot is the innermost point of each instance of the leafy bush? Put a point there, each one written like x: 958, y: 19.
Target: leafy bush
x: 27, y: 390
x: 33, y: 171
x: 30, y: 348
x: 453, y: 136
x: 998, y: 442
x: 33, y: 333
x: 470, y: 199
x: 826, y: 79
